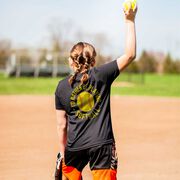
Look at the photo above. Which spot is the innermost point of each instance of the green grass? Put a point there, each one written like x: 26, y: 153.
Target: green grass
x: 155, y: 85
x: 27, y: 85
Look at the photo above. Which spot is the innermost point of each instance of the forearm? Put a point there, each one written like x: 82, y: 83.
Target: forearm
x: 62, y: 138
x: 61, y: 117
x: 130, y: 40
x: 130, y: 44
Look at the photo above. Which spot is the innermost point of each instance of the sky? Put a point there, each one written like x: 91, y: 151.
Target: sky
x: 26, y: 23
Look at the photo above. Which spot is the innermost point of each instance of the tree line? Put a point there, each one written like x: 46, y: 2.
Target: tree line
x: 61, y: 33
x: 150, y: 62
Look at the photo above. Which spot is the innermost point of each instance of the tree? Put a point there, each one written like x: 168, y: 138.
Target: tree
x: 147, y: 63
x: 169, y: 65
x: 133, y: 67
x: 177, y: 66
x: 59, y: 32
x: 24, y: 56
x: 101, y: 43
x: 5, y: 48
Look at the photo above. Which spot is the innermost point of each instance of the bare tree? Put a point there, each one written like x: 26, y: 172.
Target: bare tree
x: 5, y: 48
x: 59, y: 32
x: 101, y: 43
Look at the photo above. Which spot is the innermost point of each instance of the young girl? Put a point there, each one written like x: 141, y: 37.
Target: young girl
x: 83, y: 110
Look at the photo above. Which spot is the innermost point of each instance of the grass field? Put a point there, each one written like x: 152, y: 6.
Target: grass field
x: 154, y: 85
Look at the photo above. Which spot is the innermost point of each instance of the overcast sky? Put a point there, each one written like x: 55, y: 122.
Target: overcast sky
x: 25, y: 22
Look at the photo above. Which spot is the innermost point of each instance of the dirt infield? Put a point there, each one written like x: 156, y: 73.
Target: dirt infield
x: 147, y: 132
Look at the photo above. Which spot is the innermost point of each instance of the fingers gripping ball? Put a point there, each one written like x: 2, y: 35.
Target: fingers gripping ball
x: 130, y: 4
x: 85, y: 101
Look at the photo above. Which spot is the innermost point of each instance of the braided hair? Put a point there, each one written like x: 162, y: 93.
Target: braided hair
x: 83, y: 57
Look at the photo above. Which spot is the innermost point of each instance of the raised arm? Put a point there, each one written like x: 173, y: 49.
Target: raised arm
x: 130, y: 44
x: 61, y: 129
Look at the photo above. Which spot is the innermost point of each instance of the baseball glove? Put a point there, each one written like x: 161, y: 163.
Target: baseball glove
x: 58, y: 170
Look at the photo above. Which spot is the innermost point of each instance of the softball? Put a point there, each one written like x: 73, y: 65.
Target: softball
x: 129, y: 4
x: 85, y: 101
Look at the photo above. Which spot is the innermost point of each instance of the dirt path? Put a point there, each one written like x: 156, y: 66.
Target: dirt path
x: 147, y: 132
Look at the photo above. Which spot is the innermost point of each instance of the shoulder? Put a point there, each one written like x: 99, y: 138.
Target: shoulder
x: 62, y: 84
x: 106, y: 72
x: 106, y: 66
x: 64, y: 81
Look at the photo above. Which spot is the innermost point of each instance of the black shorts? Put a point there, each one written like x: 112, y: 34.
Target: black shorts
x: 102, y: 161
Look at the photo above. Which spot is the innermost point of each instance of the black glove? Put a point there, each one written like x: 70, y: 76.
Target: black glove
x: 58, y: 170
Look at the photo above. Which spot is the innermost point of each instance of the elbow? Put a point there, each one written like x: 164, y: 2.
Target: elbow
x: 131, y: 57
x: 61, y: 127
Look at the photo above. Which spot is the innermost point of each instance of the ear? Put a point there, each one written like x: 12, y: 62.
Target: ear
x: 93, y: 63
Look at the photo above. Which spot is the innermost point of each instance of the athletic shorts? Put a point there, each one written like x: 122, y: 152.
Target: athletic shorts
x: 102, y: 161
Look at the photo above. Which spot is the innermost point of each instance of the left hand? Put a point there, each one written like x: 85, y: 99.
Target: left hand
x: 58, y: 170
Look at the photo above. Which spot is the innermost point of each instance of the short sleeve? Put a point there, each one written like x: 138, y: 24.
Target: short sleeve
x: 58, y: 100
x: 58, y: 103
x: 107, y: 72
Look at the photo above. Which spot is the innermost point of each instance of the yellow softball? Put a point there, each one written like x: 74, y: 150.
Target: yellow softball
x: 85, y: 101
x: 129, y: 4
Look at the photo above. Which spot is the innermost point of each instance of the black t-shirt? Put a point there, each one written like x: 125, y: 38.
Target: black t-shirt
x: 88, y: 107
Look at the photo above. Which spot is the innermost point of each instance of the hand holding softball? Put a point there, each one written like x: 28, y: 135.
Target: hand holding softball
x: 130, y: 9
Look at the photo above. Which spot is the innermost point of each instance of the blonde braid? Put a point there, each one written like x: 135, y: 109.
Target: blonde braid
x: 83, y: 56
x: 87, y: 66
x: 78, y: 69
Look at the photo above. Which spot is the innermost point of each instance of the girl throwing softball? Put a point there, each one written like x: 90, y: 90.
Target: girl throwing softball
x: 83, y: 110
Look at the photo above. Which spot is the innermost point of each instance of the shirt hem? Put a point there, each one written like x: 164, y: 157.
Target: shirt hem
x: 91, y: 146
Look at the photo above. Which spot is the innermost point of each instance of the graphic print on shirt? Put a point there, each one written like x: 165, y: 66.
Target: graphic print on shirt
x: 85, y: 99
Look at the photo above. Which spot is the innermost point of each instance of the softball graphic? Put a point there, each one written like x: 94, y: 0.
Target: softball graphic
x: 129, y: 4
x: 85, y: 101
